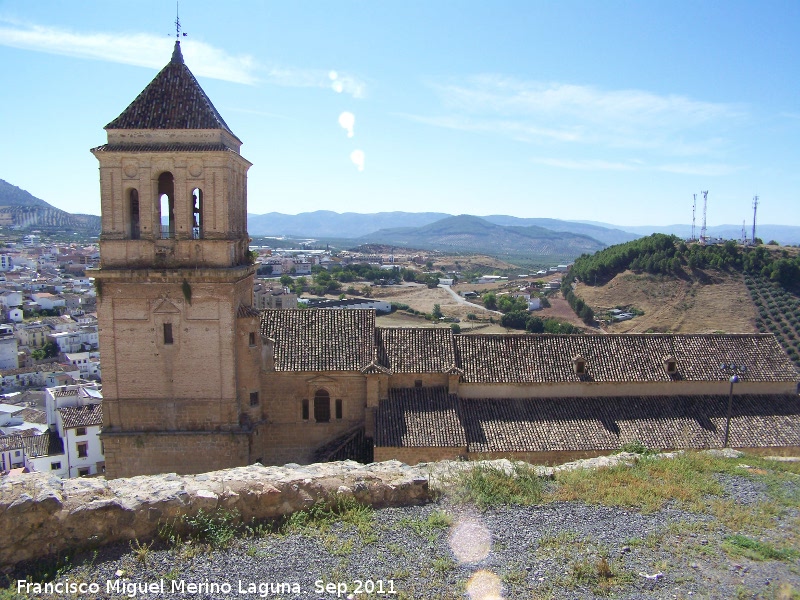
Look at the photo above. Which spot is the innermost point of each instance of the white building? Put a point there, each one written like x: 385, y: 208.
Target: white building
x: 77, y: 412
x: 85, y: 338
x: 48, y: 301
x: 6, y: 262
x: 11, y: 298
x: 9, y: 358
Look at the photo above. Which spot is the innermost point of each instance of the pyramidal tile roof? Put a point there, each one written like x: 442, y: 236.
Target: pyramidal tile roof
x: 173, y: 100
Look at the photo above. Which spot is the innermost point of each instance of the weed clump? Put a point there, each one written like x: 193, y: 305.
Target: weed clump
x: 487, y: 485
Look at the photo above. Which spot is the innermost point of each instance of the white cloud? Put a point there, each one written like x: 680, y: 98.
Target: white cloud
x: 150, y: 51
x: 515, y: 129
x: 533, y: 110
x: 141, y: 50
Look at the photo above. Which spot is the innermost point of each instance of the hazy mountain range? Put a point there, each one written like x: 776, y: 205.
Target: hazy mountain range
x: 500, y: 235
x: 329, y: 224
x: 19, y: 208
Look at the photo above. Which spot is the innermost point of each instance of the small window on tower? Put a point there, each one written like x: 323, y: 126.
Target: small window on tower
x: 167, y: 333
x: 253, y: 398
x: 252, y: 338
x: 338, y: 409
x: 305, y: 409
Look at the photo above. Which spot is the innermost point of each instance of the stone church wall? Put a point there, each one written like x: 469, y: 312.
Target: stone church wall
x: 165, y: 452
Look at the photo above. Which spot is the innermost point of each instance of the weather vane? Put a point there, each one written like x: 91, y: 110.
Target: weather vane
x: 178, y: 22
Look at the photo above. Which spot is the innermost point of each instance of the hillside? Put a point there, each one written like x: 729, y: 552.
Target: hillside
x: 19, y: 208
x: 710, y: 301
x: 468, y: 234
x: 671, y: 286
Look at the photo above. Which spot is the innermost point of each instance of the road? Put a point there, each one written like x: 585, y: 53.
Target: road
x: 461, y: 300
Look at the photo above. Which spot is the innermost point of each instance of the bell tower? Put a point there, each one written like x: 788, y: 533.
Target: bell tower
x: 179, y: 336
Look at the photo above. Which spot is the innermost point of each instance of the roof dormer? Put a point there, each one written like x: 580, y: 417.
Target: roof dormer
x: 670, y: 365
x: 579, y: 365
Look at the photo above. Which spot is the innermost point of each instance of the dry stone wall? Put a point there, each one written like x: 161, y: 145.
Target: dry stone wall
x: 42, y: 515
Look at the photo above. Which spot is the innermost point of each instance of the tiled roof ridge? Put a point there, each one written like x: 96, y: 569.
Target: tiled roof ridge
x: 245, y: 311
x: 166, y: 147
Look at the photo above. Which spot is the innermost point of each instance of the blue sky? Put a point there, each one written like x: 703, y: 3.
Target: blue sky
x: 608, y: 111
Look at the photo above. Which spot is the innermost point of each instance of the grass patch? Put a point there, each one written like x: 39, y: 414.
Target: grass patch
x: 600, y: 575
x: 648, y: 485
x: 217, y: 528
x: 487, y: 485
x: 741, y: 545
x: 324, y: 514
x: 429, y: 528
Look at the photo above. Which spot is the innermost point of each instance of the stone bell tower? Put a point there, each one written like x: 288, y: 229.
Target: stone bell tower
x: 178, y: 334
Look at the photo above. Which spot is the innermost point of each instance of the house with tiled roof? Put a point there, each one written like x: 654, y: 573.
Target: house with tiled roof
x: 79, y: 426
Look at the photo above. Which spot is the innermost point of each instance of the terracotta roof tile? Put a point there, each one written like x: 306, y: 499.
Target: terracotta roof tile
x: 162, y: 148
x: 32, y: 415
x: 81, y: 416
x: 424, y: 417
x: 619, y: 358
x: 47, y: 444
x: 415, y: 350
x: 419, y: 417
x: 173, y: 100
x: 320, y: 339
x: 247, y: 311
x: 531, y: 425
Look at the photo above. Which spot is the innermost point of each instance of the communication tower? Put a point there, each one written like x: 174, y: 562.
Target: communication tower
x: 705, y: 207
x: 694, y: 210
x: 755, y: 207
x: 744, y: 235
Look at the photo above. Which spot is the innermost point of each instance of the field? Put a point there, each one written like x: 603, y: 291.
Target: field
x: 421, y: 298
x: 715, y: 301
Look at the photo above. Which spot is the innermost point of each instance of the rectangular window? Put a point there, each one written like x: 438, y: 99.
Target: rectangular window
x: 83, y: 472
x: 83, y: 449
x: 55, y: 466
x: 338, y: 409
x: 80, y: 431
x: 252, y: 339
x: 167, y: 333
x: 305, y: 410
x: 253, y: 398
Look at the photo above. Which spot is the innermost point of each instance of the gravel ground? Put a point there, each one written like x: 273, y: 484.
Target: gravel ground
x: 553, y: 550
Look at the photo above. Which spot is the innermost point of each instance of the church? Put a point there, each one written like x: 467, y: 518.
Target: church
x: 196, y: 379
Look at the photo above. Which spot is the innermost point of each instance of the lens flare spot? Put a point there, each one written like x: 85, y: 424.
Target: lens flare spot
x: 469, y: 540
x: 357, y: 156
x: 484, y: 585
x: 337, y: 87
x: 333, y: 75
x: 347, y: 120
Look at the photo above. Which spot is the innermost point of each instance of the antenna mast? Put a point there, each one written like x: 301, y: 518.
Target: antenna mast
x: 755, y: 207
x: 694, y: 210
x: 705, y: 206
x: 744, y: 234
